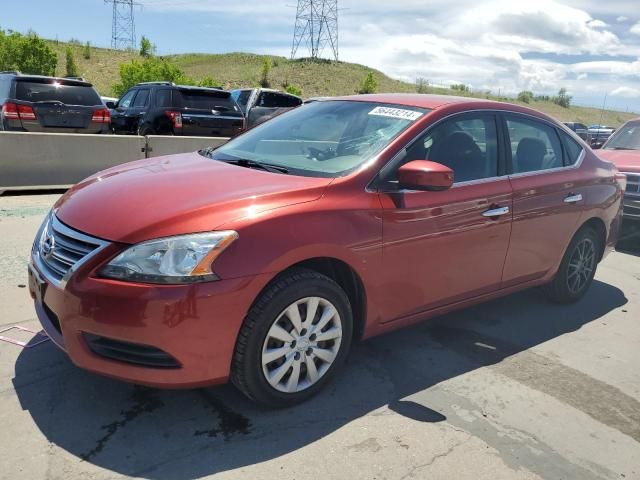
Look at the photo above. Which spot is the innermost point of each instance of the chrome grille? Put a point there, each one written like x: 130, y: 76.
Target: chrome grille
x: 633, y: 184
x: 58, y: 250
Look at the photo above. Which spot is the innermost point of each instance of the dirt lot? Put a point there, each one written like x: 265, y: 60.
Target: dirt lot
x: 516, y: 388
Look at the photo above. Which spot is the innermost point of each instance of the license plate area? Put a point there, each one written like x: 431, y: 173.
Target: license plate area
x: 37, y: 285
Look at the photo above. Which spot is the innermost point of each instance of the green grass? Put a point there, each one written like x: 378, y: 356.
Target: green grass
x: 318, y: 78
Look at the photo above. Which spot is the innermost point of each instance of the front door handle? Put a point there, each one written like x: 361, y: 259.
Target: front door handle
x: 496, y: 212
x: 573, y: 198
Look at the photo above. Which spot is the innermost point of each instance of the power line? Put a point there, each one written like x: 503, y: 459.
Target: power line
x: 316, y: 27
x: 123, y: 28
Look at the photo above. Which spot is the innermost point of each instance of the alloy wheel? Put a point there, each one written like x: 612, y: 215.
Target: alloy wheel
x: 581, y: 265
x: 301, y: 344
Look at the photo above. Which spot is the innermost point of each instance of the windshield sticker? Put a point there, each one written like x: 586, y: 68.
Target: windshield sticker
x: 396, y: 113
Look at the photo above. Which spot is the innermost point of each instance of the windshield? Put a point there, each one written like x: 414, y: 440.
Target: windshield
x: 56, y: 92
x: 326, y: 139
x: 626, y: 138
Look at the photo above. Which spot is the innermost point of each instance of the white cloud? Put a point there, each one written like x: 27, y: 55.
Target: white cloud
x: 626, y: 92
x: 622, y: 19
x: 635, y: 29
x: 597, y: 24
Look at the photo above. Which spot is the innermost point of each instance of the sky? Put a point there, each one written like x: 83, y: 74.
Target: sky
x: 589, y: 47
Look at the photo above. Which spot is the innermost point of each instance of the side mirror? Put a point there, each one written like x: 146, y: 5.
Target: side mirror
x: 596, y: 146
x: 111, y: 105
x: 425, y: 175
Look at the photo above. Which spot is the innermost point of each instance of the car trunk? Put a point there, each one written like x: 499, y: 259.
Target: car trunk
x: 59, y: 115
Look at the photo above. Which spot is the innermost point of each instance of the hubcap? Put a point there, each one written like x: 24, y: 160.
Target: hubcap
x: 301, y: 344
x: 581, y: 265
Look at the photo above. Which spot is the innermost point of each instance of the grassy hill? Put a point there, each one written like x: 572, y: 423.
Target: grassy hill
x: 320, y: 78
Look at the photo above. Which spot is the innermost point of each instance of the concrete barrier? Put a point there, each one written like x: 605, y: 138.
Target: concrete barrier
x: 158, y: 145
x: 58, y: 160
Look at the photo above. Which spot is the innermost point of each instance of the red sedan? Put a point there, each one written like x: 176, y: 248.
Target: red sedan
x: 623, y: 149
x: 261, y: 261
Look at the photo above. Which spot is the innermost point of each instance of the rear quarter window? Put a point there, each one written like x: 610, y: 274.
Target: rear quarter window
x: 5, y: 86
x: 48, y: 92
x: 572, y: 148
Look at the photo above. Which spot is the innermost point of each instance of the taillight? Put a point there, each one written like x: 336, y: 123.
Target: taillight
x: 101, y: 116
x: 175, y: 117
x: 14, y: 111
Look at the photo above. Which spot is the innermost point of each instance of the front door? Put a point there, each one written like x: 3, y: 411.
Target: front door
x: 443, y: 247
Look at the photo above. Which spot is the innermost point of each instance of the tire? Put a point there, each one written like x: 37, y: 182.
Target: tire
x: 261, y: 350
x: 577, y: 269
x: 144, y: 130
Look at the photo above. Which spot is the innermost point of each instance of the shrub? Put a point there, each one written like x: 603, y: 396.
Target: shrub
x: 86, y: 51
x: 266, y: 70
x: 151, y: 69
x: 27, y: 53
x: 525, y: 96
x: 563, y: 99
x: 207, y: 81
x: 369, y: 84
x: 71, y: 67
x: 147, y: 49
x: 460, y: 87
x: 293, y: 90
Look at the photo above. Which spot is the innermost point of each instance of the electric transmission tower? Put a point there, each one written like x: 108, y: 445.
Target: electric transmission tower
x: 316, y: 27
x: 123, y: 28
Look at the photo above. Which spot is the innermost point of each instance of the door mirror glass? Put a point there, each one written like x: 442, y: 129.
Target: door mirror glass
x: 425, y: 175
x: 110, y: 104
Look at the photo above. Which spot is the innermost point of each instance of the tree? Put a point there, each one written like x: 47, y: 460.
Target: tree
x: 525, y: 96
x: 72, y: 68
x: 266, y: 70
x: 147, y: 49
x: 563, y: 99
x: 369, y: 84
x: 151, y: 69
x: 86, y: 52
x: 460, y: 87
x: 208, y: 81
x: 26, y: 53
x: 422, y: 85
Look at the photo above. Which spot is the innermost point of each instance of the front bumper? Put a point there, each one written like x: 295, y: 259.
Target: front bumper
x: 197, y: 325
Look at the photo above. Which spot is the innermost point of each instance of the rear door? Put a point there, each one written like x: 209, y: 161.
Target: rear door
x: 443, y: 247
x: 547, y: 201
x: 209, y: 113
x: 57, y: 104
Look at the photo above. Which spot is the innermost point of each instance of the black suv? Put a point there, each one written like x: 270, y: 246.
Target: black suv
x: 33, y: 103
x: 163, y: 108
x: 261, y: 104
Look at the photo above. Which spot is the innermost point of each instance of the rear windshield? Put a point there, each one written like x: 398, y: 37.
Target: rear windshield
x: 202, y: 100
x: 48, y: 92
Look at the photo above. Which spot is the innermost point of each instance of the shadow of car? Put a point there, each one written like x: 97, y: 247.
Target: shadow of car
x: 188, y: 434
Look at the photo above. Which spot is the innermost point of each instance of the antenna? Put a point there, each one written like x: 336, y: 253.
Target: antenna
x: 123, y: 28
x: 316, y: 27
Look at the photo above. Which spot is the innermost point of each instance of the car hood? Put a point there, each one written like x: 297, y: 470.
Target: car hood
x: 625, y: 160
x: 175, y: 195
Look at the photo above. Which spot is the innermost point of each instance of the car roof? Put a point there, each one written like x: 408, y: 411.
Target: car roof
x: 67, y: 81
x: 415, y: 99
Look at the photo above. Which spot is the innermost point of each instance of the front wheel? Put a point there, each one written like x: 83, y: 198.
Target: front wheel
x: 294, y: 339
x: 577, y: 269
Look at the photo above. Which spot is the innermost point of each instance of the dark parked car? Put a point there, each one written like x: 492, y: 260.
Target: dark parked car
x: 599, y: 135
x: 33, y: 103
x: 261, y: 104
x: 261, y: 261
x: 581, y: 130
x: 163, y: 108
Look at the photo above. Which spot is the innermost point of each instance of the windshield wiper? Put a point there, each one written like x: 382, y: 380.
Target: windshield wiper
x: 243, y: 162
x: 622, y: 148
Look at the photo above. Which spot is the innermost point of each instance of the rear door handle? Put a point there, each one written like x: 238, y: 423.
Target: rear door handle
x: 573, y: 198
x: 496, y: 212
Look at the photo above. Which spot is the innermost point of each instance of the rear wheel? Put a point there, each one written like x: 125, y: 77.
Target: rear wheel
x: 294, y: 339
x: 577, y: 269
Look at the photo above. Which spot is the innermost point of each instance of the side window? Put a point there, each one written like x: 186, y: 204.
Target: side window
x: 142, y: 98
x: 573, y: 149
x: 163, y: 98
x: 535, y: 146
x: 467, y: 145
x: 125, y: 101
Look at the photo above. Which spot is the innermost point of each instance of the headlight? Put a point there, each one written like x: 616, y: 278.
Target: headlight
x: 182, y: 259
